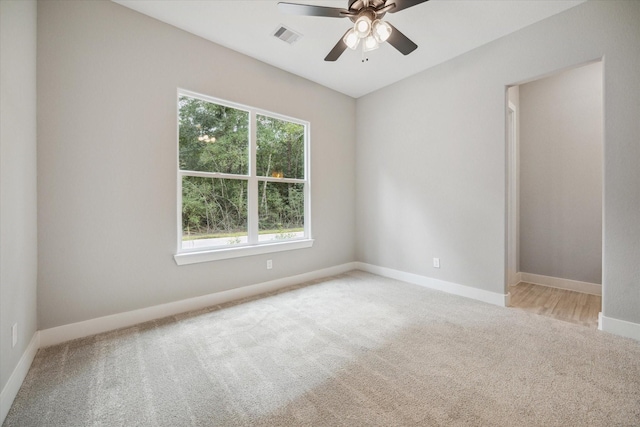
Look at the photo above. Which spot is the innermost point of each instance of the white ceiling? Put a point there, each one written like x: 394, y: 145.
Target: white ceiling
x: 442, y: 29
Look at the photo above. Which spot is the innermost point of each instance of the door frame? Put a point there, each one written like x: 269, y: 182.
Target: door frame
x: 512, y: 194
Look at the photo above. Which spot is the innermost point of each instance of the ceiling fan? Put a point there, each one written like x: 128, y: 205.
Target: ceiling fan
x: 368, y: 29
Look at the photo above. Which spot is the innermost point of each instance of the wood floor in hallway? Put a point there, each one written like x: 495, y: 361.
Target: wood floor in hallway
x: 570, y: 306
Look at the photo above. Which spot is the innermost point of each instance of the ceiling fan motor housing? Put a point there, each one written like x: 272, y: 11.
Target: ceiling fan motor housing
x: 359, y: 4
x: 368, y: 9
x: 368, y: 12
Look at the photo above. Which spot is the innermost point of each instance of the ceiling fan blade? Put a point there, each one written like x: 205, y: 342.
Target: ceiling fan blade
x: 337, y: 50
x: 403, y: 4
x: 400, y: 41
x: 310, y: 10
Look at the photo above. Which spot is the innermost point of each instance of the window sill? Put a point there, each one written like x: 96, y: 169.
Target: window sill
x: 185, y: 258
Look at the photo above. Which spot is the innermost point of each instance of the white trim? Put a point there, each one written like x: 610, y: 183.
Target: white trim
x: 85, y: 328
x: 518, y: 277
x: 556, y: 282
x: 494, y: 298
x: 253, y: 190
x: 178, y: 176
x: 307, y: 177
x: 619, y: 327
x: 511, y: 191
x: 204, y: 174
x: 184, y: 258
x: 10, y: 390
x: 600, y: 321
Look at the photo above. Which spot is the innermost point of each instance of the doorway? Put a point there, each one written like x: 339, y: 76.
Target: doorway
x: 554, y: 156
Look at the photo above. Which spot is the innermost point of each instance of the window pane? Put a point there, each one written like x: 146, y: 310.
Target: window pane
x: 280, y: 211
x: 280, y: 151
x: 212, y: 137
x: 214, y: 212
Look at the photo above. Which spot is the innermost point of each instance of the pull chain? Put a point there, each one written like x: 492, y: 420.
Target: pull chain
x: 363, y: 57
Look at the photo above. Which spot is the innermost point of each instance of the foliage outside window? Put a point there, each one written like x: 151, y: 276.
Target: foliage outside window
x: 242, y: 175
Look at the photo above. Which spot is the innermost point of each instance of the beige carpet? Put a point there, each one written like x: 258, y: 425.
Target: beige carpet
x: 353, y: 350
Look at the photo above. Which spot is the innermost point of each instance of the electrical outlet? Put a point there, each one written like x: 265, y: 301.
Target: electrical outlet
x: 269, y: 264
x: 436, y: 263
x: 14, y: 335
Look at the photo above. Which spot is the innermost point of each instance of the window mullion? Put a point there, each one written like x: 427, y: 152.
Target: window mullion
x: 252, y: 202
x: 211, y: 174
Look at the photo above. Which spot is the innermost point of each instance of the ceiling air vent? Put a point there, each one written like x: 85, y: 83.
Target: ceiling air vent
x: 287, y: 35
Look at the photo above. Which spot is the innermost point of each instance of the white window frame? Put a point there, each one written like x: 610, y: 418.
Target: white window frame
x: 253, y: 246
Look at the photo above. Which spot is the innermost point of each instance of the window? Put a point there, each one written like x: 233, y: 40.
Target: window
x: 243, y: 180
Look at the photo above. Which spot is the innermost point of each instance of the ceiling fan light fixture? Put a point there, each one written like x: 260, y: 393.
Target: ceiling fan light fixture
x: 351, y: 39
x: 381, y: 30
x: 362, y: 26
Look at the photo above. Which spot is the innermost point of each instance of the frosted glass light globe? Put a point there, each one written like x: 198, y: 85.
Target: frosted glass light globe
x: 351, y: 39
x: 381, y: 30
x: 362, y: 26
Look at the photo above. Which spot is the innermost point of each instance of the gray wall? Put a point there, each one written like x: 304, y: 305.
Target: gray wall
x: 107, y: 81
x: 18, y: 225
x: 561, y: 175
x: 431, y: 162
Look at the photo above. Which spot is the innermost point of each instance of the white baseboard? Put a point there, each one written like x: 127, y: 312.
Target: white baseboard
x: 85, y: 328
x: 10, y: 390
x: 518, y: 278
x: 556, y: 282
x: 600, y: 321
x: 440, y: 285
x: 619, y: 327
